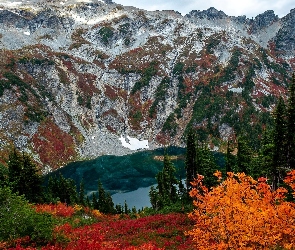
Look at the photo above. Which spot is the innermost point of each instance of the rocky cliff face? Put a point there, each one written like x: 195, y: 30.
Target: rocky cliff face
x: 78, y: 76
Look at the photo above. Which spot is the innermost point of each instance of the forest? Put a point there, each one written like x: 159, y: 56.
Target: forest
x: 248, y: 204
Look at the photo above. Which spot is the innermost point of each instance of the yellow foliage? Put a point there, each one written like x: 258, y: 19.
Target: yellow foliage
x: 241, y: 213
x: 96, y: 213
x: 78, y: 208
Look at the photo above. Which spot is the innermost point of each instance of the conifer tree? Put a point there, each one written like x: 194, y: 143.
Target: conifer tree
x: 24, y: 177
x: 244, y: 156
x: 230, y: 159
x: 126, y: 209
x: 31, y: 180
x: 95, y: 204
x: 105, y: 202
x: 62, y: 189
x: 191, y: 160
x: 206, y: 165
x: 278, y: 164
x: 82, y: 193
x: 167, y: 182
x: 291, y: 126
x: 165, y: 193
x: 154, y: 198
x: 15, y: 169
x: 3, y: 176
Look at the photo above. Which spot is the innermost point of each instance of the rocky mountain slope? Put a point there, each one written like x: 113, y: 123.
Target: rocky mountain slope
x: 79, y: 79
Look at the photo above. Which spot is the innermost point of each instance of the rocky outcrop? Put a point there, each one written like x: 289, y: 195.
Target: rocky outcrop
x: 210, y: 14
x: 285, y: 38
x: 77, y: 77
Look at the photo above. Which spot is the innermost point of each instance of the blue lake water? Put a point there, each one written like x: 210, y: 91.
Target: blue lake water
x: 127, y: 177
x: 138, y: 198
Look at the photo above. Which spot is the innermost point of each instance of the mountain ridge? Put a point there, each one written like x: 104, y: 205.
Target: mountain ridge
x: 77, y: 77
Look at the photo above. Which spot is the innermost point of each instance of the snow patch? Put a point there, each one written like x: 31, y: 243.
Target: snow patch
x: 236, y: 90
x: 27, y: 33
x: 133, y: 143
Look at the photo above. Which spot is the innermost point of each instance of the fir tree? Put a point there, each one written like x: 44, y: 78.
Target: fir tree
x: 291, y: 126
x: 15, y: 170
x: 105, y: 202
x: 24, y: 176
x: 244, y: 156
x: 95, y: 204
x: 191, y: 161
x: 278, y: 164
x: 154, y: 198
x: 62, y: 189
x: 165, y: 193
x: 230, y: 159
x: 206, y: 165
x: 82, y: 193
x: 31, y: 180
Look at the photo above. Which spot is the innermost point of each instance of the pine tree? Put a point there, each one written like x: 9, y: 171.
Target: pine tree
x: 31, y: 180
x: 191, y: 161
x: 230, y: 159
x: 291, y: 126
x: 88, y: 203
x: 61, y: 189
x: 82, y: 193
x: 154, y: 198
x: 3, y: 176
x: 126, y: 209
x: 105, y: 202
x: 206, y: 165
x: 15, y: 169
x: 167, y: 182
x: 165, y: 194
x: 95, y: 204
x: 278, y: 164
x: 24, y: 176
x: 244, y: 156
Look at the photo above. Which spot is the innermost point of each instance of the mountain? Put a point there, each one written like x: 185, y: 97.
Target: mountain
x: 78, y: 79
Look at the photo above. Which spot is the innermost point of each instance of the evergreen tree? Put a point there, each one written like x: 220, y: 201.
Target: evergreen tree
x: 95, y: 204
x: 62, y: 189
x: 3, y: 176
x: 82, y: 193
x: 31, y: 180
x: 126, y: 209
x: 167, y: 182
x: 154, y: 198
x: 24, y: 176
x: 291, y: 126
x: 105, y: 202
x: 278, y: 164
x: 230, y: 159
x: 244, y: 156
x: 88, y: 203
x: 206, y: 165
x: 165, y: 193
x: 266, y: 152
x: 15, y: 170
x: 119, y: 209
x: 191, y: 161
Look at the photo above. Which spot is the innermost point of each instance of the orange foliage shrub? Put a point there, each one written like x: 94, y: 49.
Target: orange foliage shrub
x: 242, y: 213
x: 59, y: 209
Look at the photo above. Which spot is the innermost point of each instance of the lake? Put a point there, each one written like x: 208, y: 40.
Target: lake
x: 127, y: 177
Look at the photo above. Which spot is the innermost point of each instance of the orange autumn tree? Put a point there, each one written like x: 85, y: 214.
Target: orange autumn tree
x: 241, y: 213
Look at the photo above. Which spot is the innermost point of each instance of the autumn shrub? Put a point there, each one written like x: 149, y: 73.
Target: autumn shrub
x: 19, y: 220
x: 59, y: 209
x: 242, y: 213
